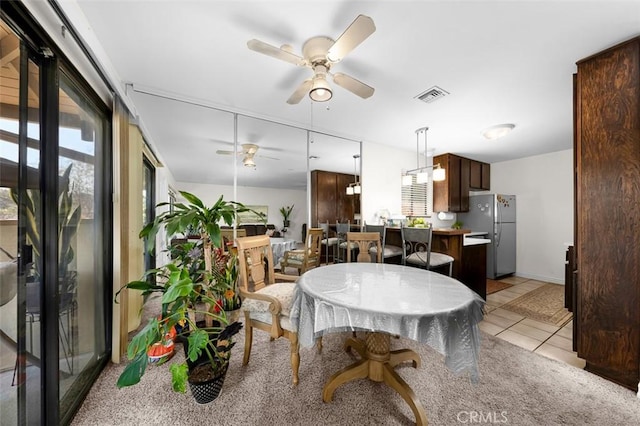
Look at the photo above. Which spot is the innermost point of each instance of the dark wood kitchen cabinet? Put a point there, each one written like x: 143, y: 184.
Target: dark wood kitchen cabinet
x: 479, y: 175
x: 462, y: 175
x: 329, y: 200
x: 607, y: 196
x: 449, y: 194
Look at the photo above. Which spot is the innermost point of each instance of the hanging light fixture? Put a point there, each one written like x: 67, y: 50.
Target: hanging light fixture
x: 248, y: 161
x: 320, y: 89
x: 354, y: 188
x: 422, y: 173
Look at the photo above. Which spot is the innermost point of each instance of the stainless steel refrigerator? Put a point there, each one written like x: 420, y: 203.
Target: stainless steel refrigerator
x: 494, y: 214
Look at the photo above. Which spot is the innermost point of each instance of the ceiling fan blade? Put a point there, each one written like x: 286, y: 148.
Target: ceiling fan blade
x: 302, y: 90
x: 354, y: 86
x: 361, y: 28
x: 276, y: 52
x: 223, y: 152
x: 267, y: 157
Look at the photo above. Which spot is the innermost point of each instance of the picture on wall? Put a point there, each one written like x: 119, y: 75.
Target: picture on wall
x: 256, y: 214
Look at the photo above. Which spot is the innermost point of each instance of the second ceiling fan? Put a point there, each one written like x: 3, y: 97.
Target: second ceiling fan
x: 319, y: 54
x: 248, y: 152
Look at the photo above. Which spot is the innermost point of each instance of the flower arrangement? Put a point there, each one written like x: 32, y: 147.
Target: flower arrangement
x: 224, y: 280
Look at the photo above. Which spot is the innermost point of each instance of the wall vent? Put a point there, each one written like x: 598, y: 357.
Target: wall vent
x: 432, y: 94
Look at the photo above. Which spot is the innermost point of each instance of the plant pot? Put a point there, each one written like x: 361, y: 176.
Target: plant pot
x: 286, y: 223
x: 208, y: 390
x: 159, y: 353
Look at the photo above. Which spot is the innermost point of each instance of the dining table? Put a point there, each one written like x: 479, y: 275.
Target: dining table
x: 386, y: 300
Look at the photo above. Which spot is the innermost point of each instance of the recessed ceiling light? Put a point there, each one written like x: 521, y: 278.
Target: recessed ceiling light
x: 498, y: 131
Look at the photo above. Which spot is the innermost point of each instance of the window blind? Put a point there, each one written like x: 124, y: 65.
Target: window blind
x: 417, y: 198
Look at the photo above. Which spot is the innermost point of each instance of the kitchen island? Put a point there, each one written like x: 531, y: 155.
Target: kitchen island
x: 469, y: 254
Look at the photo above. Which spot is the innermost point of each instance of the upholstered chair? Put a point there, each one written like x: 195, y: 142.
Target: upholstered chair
x: 417, y: 250
x: 388, y: 251
x: 266, y: 303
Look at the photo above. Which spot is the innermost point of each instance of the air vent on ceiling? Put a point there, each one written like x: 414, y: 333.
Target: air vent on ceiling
x: 432, y: 94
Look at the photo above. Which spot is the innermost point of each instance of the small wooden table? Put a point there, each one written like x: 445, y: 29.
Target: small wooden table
x: 385, y: 300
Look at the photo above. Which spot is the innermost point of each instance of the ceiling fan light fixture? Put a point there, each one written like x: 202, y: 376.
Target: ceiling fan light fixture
x: 248, y: 162
x: 497, y: 131
x: 320, y: 91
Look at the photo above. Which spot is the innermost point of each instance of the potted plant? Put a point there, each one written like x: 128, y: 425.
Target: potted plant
x: 193, y: 298
x: 207, y: 349
x: 69, y: 216
x: 286, y: 212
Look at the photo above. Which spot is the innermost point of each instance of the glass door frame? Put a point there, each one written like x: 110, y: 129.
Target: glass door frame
x: 37, y: 47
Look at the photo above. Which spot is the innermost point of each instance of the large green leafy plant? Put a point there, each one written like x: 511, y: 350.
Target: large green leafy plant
x: 190, y: 289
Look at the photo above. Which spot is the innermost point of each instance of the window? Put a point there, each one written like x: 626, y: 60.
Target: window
x: 148, y: 209
x: 417, y: 198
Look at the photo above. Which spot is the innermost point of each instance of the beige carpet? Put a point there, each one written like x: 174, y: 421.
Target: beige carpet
x: 494, y: 286
x: 545, y: 304
x: 516, y: 386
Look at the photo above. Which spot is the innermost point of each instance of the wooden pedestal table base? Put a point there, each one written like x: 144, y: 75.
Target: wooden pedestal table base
x: 378, y: 364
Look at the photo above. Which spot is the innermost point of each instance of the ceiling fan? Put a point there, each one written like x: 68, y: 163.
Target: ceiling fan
x: 248, y: 152
x: 320, y: 53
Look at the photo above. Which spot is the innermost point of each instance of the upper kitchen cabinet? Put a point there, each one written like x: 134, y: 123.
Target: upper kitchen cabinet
x: 462, y: 174
x: 479, y: 175
x: 607, y: 196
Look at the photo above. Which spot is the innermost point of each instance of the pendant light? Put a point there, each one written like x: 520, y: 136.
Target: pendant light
x: 354, y: 188
x: 422, y: 173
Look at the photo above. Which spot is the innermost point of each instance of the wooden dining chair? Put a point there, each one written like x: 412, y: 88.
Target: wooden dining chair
x: 306, y: 258
x: 417, y: 250
x: 266, y: 303
x: 364, y: 242
x: 341, y: 233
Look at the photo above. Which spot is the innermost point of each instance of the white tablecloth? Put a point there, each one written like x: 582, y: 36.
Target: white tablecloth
x: 411, y: 302
x: 279, y: 246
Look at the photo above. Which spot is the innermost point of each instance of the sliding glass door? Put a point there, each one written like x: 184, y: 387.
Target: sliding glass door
x: 21, y: 370
x: 55, y: 253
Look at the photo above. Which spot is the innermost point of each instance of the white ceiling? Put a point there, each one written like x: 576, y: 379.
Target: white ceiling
x: 501, y: 62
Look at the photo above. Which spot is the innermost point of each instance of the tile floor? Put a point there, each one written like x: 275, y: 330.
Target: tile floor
x: 544, y: 339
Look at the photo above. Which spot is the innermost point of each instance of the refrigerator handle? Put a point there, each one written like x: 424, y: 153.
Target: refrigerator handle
x: 499, y: 225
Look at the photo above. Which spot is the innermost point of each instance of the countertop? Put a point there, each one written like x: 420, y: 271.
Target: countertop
x: 442, y: 231
x: 473, y: 238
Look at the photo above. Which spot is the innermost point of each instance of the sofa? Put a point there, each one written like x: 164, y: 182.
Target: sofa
x: 259, y: 229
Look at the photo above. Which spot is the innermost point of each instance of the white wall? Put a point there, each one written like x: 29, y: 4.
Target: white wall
x: 382, y: 167
x: 543, y: 185
x: 272, y: 197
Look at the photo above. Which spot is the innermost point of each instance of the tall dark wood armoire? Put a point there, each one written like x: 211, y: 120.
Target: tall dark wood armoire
x: 329, y: 201
x: 607, y: 210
